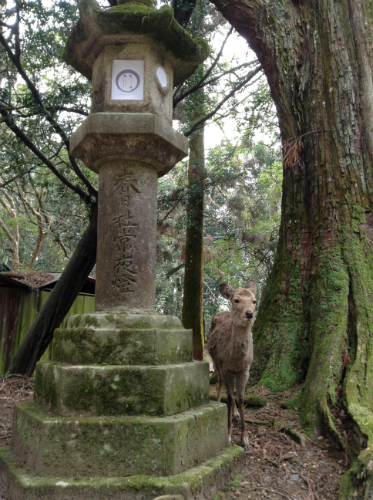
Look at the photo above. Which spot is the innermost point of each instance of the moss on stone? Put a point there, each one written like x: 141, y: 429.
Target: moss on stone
x: 212, y: 473
x: 122, y: 346
x: 90, y: 320
x: 131, y: 18
x: 74, y: 321
x: 153, y: 446
x: 127, y: 390
x: 110, y: 318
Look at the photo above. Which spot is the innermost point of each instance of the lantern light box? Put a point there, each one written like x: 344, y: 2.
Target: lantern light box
x: 127, y: 80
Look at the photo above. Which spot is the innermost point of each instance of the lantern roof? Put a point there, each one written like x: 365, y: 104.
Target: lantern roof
x: 132, y: 22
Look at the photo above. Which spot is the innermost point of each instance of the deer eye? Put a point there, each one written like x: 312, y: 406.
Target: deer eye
x: 236, y: 301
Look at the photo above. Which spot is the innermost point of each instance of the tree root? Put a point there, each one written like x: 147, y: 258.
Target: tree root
x: 295, y: 436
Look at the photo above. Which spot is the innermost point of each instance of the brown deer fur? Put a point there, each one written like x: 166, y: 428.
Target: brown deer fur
x: 230, y: 345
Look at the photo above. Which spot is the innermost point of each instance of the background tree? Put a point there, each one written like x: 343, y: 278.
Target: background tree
x: 201, y: 100
x: 242, y: 189
x: 39, y: 110
x: 192, y: 312
x: 315, y: 318
x: 47, y: 222
x: 9, y: 226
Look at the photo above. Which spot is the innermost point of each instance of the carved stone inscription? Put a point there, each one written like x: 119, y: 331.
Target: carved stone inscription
x: 127, y: 237
x: 126, y: 230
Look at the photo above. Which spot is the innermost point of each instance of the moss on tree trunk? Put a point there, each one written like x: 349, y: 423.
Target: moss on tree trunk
x: 316, y: 317
x: 192, y: 313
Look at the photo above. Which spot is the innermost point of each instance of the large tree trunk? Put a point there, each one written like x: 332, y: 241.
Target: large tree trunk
x: 315, y: 320
x: 58, y: 303
x: 192, y: 313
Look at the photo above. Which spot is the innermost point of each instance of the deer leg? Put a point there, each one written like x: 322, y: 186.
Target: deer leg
x: 241, y: 382
x: 229, y: 384
x: 220, y: 388
x: 236, y: 414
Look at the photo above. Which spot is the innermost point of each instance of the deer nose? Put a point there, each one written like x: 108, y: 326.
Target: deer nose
x: 249, y: 314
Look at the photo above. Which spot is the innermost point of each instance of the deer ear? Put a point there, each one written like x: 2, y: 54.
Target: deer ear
x: 226, y: 291
x: 251, y: 286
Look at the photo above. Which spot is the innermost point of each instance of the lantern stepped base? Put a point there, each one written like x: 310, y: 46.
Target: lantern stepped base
x: 105, y: 426
x: 197, y: 483
x: 122, y: 339
x: 97, y: 390
x: 117, y: 446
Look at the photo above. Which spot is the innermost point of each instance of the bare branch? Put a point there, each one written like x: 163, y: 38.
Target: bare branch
x: 59, y: 241
x: 8, y: 120
x: 92, y: 190
x: 8, y: 26
x: 170, y: 211
x: 49, y: 108
x: 208, y: 72
x: 174, y: 270
x: 4, y: 184
x: 49, y: 118
x: 229, y: 71
x: 200, y: 122
x: 69, y: 110
x: 6, y: 230
x: 16, y: 32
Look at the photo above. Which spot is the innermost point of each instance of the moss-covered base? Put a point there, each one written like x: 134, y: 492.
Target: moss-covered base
x: 117, y: 446
x: 198, y: 483
x: 98, y: 390
x: 116, y: 339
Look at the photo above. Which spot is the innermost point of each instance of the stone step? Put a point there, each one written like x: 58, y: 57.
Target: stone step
x: 198, y: 483
x: 68, y: 390
x: 117, y: 446
x: 120, y: 320
x: 118, y: 340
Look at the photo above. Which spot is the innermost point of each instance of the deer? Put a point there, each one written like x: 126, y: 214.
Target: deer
x: 230, y: 345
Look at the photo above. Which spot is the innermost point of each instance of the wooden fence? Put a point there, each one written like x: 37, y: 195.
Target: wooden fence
x: 18, y: 309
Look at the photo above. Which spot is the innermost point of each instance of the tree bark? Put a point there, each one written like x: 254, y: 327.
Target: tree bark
x: 315, y: 320
x: 58, y: 303
x: 192, y: 312
x: 13, y: 237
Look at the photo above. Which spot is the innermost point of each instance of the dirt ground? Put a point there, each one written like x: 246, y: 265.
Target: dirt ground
x: 12, y: 390
x: 276, y: 467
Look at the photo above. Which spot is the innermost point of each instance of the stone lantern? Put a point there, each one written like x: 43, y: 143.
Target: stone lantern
x: 123, y: 411
x: 134, y: 56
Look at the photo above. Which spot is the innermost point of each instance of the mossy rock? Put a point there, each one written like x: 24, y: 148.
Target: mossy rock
x: 132, y: 22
